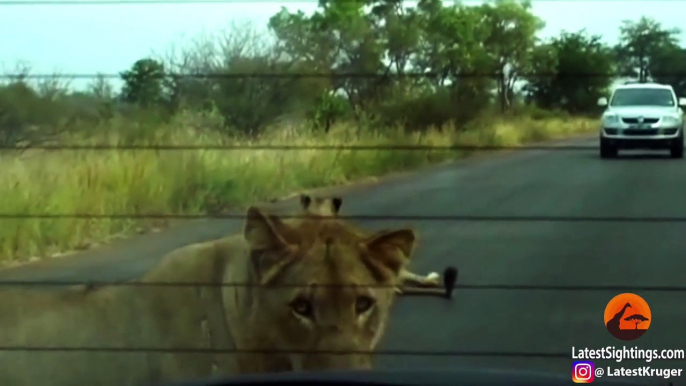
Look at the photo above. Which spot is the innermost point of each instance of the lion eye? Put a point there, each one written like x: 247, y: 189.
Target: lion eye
x: 363, y: 304
x: 302, y: 307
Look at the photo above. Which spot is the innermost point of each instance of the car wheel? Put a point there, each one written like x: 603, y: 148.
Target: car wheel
x: 677, y: 150
x: 607, y: 150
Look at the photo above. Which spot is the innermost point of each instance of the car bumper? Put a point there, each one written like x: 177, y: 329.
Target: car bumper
x: 642, y: 138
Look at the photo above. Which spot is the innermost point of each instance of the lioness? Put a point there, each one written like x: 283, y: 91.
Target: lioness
x: 189, y: 331
x: 330, y: 207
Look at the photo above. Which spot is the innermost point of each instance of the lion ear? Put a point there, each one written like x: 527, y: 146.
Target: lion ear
x: 390, y: 251
x: 336, y: 203
x: 305, y: 201
x: 262, y: 231
x: 270, y: 251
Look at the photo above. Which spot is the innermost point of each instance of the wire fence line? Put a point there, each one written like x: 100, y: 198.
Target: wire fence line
x: 296, y: 147
x: 277, y: 352
x: 392, y: 352
x: 344, y: 75
x: 454, y: 218
x: 172, y: 2
x: 146, y: 2
x: 197, y: 2
x: 423, y: 353
x: 158, y: 148
x: 458, y: 286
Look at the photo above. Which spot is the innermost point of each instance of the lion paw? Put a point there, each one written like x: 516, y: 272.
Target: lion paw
x: 433, y: 278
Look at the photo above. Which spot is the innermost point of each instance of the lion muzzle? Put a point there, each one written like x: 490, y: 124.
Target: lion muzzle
x: 338, y: 353
x: 336, y: 361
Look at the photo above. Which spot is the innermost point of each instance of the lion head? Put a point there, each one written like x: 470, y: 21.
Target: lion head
x: 331, y: 206
x: 326, y: 289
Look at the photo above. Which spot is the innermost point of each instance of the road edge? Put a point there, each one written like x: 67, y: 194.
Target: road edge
x: 281, y: 203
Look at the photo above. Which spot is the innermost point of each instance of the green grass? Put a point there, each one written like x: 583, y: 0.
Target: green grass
x: 198, y: 181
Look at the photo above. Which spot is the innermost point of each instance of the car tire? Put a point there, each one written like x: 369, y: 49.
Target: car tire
x: 607, y: 150
x: 677, y: 150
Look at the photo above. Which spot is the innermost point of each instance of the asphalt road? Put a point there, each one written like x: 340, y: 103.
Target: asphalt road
x: 559, y: 183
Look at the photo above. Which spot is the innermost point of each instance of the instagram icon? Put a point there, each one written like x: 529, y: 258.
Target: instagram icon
x: 583, y: 372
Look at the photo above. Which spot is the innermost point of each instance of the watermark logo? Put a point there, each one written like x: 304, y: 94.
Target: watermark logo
x: 627, y: 316
x: 583, y: 372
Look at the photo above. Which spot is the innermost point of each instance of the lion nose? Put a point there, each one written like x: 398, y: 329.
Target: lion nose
x: 338, y: 351
x: 333, y: 328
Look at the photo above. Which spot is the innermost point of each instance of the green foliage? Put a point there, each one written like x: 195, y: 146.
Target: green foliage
x: 511, y: 42
x: 668, y: 66
x: 640, y: 42
x: 565, y: 60
x: 366, y: 54
x: 328, y: 110
x: 144, y: 83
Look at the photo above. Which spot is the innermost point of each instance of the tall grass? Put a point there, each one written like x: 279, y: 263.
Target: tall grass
x: 201, y: 181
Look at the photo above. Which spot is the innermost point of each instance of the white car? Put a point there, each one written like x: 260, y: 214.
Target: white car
x: 642, y: 116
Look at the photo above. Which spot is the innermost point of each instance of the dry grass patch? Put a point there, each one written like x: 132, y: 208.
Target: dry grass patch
x: 201, y: 181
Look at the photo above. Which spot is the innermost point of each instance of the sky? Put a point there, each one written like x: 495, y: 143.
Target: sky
x: 108, y: 38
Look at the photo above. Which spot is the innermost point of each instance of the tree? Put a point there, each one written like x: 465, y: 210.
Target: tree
x: 636, y: 319
x: 339, y: 38
x: 580, y: 68
x: 28, y: 111
x: 451, y: 41
x: 17, y: 102
x: 250, y: 103
x: 450, y: 47
x: 101, y: 89
x: 511, y: 42
x: 143, y: 83
x: 668, y: 66
x: 102, y: 92
x: 640, y: 43
x: 399, y: 32
x: 453, y: 46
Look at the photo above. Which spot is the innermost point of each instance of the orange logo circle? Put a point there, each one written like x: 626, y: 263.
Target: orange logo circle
x: 627, y: 316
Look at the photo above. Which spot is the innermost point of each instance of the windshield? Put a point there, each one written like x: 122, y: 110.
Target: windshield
x: 211, y: 187
x: 642, y: 97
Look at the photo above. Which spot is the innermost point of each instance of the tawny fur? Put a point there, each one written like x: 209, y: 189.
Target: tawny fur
x: 311, y: 251
x: 330, y: 207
